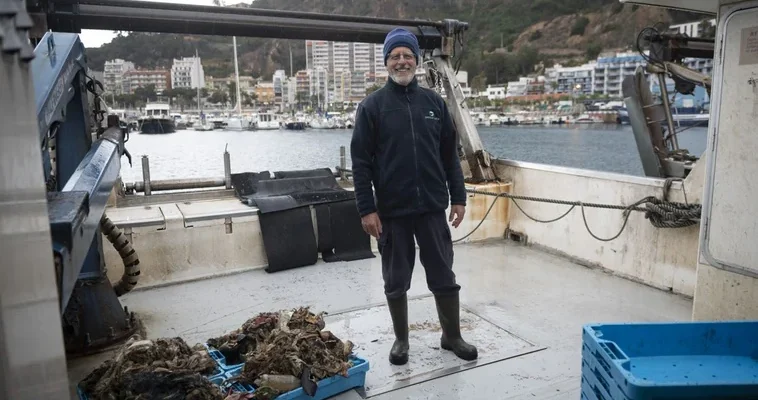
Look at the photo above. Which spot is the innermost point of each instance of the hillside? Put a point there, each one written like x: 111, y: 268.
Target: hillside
x: 579, y: 36
x: 510, y: 23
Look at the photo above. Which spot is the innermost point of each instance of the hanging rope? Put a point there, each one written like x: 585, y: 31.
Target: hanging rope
x: 662, y: 214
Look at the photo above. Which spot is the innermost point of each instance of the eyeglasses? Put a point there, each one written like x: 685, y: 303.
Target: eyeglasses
x: 407, y: 57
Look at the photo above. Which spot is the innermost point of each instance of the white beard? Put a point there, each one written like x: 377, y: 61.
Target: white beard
x: 403, y: 80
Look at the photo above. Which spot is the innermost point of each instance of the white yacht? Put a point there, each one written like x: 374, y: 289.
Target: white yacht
x: 157, y: 119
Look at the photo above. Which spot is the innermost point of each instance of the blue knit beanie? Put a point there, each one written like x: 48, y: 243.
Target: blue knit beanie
x: 400, y: 37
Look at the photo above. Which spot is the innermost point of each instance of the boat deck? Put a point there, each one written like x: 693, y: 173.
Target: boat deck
x: 523, y: 308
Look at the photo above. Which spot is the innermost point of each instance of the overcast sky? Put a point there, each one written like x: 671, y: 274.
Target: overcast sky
x: 96, y: 38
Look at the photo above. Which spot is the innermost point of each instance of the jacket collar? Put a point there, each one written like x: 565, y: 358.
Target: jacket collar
x: 400, y: 88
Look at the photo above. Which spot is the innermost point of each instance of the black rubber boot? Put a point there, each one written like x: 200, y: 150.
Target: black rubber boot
x: 399, y: 312
x: 448, y: 308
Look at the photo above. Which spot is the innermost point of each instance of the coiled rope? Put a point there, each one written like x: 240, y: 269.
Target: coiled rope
x: 661, y: 213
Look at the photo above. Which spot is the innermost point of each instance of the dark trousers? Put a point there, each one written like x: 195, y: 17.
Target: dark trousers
x: 398, y: 251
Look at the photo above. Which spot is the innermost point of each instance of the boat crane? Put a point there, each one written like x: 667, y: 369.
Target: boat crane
x: 56, y: 177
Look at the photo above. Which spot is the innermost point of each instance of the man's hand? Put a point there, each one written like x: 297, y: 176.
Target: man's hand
x: 459, y: 211
x: 372, y: 225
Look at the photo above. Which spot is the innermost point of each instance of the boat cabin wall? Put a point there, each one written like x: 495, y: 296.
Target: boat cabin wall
x: 663, y: 258
x: 729, y: 235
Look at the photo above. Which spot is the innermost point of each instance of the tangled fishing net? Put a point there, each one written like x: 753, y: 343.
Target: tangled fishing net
x: 280, y: 351
x: 285, y: 344
x: 165, y: 369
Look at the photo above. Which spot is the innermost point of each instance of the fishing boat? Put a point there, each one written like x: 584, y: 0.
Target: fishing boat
x: 547, y: 256
x: 157, y: 119
x: 267, y: 121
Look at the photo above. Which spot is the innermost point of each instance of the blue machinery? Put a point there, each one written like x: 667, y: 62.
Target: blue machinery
x: 79, y: 171
x: 79, y: 183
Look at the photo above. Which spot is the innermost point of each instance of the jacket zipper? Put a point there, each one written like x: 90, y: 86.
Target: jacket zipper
x: 415, y: 154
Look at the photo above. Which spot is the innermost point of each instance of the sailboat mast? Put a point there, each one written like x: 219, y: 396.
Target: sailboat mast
x: 237, y: 77
x: 197, y: 72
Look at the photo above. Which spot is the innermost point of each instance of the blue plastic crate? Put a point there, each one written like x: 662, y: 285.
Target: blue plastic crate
x: 356, y: 377
x: 221, y: 360
x: 598, y: 373
x: 604, y: 388
x: 693, y: 360
x: 588, y: 392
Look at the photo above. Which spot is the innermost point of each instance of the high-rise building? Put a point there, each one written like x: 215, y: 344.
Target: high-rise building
x: 187, y: 73
x: 379, y: 59
x: 361, y: 57
x: 340, y: 56
x: 113, y: 75
x: 319, y: 85
x: 317, y: 54
x: 302, y: 86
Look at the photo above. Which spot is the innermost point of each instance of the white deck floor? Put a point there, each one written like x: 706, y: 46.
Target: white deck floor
x: 540, y: 298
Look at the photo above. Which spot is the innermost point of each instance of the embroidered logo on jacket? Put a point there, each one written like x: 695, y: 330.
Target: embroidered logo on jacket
x: 432, y: 116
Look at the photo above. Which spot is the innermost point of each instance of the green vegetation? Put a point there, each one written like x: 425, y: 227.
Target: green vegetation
x: 579, y: 26
x: 593, y: 50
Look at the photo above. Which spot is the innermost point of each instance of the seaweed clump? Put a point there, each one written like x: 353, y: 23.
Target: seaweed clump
x: 288, y: 343
x: 165, y: 368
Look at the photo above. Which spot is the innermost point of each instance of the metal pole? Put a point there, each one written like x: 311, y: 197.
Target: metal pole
x: 146, y: 175
x: 343, y: 163
x: 177, y: 184
x: 227, y: 169
x: 667, y: 108
x: 263, y: 12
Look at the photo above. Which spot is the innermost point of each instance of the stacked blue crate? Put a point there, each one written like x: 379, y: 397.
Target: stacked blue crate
x: 694, y: 360
x: 221, y: 360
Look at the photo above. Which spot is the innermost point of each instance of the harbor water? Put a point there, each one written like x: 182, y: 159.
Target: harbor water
x: 197, y: 154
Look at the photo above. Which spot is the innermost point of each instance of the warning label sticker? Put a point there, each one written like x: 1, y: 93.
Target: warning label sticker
x: 749, y: 46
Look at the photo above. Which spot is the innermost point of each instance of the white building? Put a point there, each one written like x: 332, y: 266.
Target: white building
x: 113, y: 75
x: 691, y: 29
x: 361, y: 57
x: 611, y: 71
x: 187, y: 73
x: 280, y: 86
x: 316, y: 54
x: 291, y: 91
x: 359, y: 82
x: 519, y: 88
x: 340, y: 57
x: 340, y: 86
x: 575, y: 80
x: 319, y: 86
x: 496, y: 92
x: 702, y: 65
x: 379, y: 66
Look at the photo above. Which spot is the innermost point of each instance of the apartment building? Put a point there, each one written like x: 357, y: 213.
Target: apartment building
x: 187, y: 72
x: 113, y: 75
x: 134, y: 79
x: 610, y: 72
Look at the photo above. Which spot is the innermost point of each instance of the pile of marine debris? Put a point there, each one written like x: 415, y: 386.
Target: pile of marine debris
x: 280, y: 351
x: 154, y: 369
x: 283, y: 351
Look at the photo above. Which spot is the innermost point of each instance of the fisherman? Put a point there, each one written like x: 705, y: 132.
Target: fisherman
x: 405, y: 143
